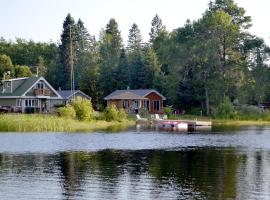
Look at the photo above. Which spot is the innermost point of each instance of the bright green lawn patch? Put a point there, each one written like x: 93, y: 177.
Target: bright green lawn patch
x: 52, y: 123
x: 228, y: 122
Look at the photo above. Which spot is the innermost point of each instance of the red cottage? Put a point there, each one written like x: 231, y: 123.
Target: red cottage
x: 135, y: 100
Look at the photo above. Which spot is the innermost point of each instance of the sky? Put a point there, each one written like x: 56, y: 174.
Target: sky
x: 41, y: 20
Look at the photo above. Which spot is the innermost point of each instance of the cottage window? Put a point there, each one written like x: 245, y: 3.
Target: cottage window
x: 40, y: 86
x: 125, y: 104
x: 18, y: 103
x: 8, y: 84
x: 156, y: 105
x: 147, y: 104
x: 32, y: 103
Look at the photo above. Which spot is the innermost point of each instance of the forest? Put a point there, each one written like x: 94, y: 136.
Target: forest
x: 197, y: 66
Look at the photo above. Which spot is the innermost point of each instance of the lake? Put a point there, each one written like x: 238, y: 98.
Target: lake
x: 136, y: 164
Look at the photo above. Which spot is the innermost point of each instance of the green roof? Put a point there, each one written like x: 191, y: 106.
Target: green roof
x: 19, y: 91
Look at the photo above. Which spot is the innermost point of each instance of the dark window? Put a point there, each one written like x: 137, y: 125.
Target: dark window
x: 156, y: 105
x: 125, y: 104
x: 147, y: 104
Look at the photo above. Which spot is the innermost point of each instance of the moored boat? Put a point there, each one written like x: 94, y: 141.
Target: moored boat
x: 178, y: 125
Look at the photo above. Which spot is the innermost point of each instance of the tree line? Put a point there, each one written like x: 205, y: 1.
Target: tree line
x: 195, y: 66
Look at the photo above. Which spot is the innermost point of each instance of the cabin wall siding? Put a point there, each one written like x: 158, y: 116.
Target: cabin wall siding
x: 8, y: 102
x: 155, y: 97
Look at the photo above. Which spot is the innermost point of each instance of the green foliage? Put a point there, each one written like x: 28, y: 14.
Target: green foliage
x: 156, y: 28
x: 122, y: 115
x: 134, y: 38
x: 225, y: 110
x: 67, y: 111
x: 52, y: 123
x: 168, y: 111
x: 109, y: 50
x: 6, y: 66
x: 83, y: 109
x: 112, y: 114
x: 22, y: 71
x: 247, y: 112
x: 67, y: 51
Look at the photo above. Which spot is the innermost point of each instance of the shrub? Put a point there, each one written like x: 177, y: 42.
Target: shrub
x: 168, y: 111
x: 122, y: 115
x: 83, y: 109
x: 249, y: 112
x: 67, y: 111
x: 225, y: 110
x: 111, y: 113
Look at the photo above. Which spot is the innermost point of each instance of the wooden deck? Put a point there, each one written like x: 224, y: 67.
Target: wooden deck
x: 191, y: 123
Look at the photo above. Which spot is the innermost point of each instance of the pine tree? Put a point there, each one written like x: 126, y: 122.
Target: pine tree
x: 156, y: 28
x: 85, y: 43
x: 134, y: 38
x: 110, y: 47
x: 68, y: 48
x: 123, y: 72
x: 83, y: 38
x: 151, y: 68
x: 137, y: 70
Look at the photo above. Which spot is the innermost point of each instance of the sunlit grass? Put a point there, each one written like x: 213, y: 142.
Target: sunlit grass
x: 241, y: 122
x: 52, y: 123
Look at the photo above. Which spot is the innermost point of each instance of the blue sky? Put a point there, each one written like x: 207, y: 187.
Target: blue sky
x: 41, y: 20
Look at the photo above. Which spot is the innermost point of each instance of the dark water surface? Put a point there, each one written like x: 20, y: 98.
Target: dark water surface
x: 136, y: 165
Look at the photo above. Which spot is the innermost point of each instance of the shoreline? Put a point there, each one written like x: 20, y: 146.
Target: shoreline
x: 53, y: 123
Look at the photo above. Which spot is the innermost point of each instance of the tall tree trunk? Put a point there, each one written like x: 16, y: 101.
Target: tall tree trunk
x: 207, y: 101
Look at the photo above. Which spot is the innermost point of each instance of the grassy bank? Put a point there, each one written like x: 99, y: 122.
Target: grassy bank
x: 231, y: 122
x: 226, y: 122
x: 52, y: 123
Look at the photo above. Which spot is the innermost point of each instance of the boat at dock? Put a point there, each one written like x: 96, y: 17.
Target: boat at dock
x: 189, y: 122
x: 173, y: 125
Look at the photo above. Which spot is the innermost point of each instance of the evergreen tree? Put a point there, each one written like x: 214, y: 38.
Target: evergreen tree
x: 68, y: 48
x: 123, y: 72
x: 137, y: 70
x: 156, y: 28
x: 110, y: 47
x: 151, y: 68
x: 85, y: 43
x: 134, y: 38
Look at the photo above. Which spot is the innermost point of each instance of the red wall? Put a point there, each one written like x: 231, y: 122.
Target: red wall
x: 153, y: 97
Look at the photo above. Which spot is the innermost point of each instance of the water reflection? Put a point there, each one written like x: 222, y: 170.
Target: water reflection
x: 146, y: 174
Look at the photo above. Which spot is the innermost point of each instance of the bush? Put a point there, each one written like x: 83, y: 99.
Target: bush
x: 67, y: 111
x: 168, y: 111
x: 247, y: 112
x: 122, y: 115
x: 112, y: 114
x: 83, y: 109
x: 225, y: 110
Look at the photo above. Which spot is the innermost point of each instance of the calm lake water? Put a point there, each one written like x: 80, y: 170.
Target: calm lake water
x: 136, y: 164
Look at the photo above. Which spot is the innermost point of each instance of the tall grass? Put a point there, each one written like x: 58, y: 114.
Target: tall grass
x: 52, y: 123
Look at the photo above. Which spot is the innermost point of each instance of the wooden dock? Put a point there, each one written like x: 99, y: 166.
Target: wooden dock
x: 193, y: 123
